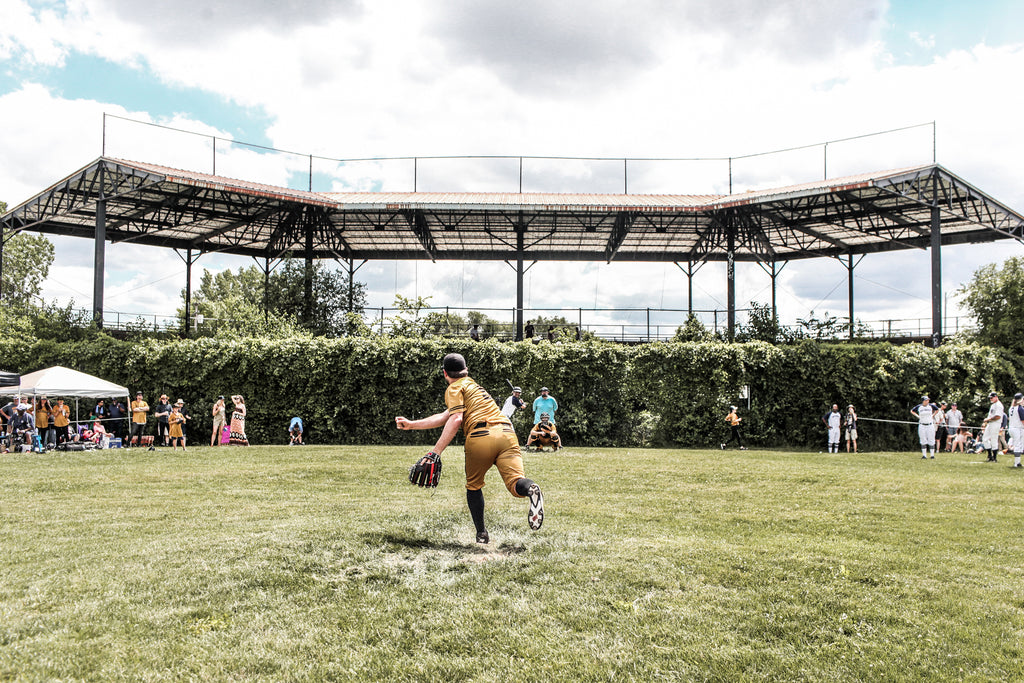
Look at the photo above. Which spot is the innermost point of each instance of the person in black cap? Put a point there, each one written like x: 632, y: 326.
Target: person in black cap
x: 490, y: 442
x: 925, y: 414
x: 992, y: 424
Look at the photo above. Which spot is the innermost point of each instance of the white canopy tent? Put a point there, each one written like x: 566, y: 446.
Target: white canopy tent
x: 64, y: 382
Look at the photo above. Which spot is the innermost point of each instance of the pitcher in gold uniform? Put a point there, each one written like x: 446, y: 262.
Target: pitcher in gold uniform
x: 490, y: 441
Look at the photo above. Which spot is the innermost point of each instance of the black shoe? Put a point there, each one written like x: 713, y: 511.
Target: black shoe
x: 152, y: 448
x: 933, y: 457
x: 924, y: 457
x: 535, y: 516
x: 723, y: 446
x: 482, y: 537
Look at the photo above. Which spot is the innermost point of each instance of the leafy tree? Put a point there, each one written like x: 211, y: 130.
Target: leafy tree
x: 233, y: 302
x: 693, y: 330
x: 26, y: 263
x: 995, y: 298
x: 763, y: 324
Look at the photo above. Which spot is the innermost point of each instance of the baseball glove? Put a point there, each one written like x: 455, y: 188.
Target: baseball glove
x: 426, y: 471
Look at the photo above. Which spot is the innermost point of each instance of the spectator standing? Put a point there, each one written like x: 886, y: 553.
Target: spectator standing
x: 544, y: 404
x: 238, y: 436
x: 162, y: 412
x: 528, y: 331
x: 833, y: 422
x: 219, y: 420
x: 940, y: 426
x: 7, y: 413
x: 117, y: 414
x: 61, y: 420
x: 180, y: 405
x: 992, y: 426
x: 42, y: 418
x: 925, y: 414
x: 140, y: 410
x: 175, y: 421
x: 474, y: 332
x: 734, y: 428
x: 954, y: 420
x: 101, y: 412
x: 551, y: 333
x: 850, y: 422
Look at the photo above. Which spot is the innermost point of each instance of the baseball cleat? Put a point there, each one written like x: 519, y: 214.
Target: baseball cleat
x: 482, y: 537
x: 536, y: 514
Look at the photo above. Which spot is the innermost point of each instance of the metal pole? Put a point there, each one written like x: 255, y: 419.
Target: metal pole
x: 415, y: 175
x: 520, y: 175
x: 730, y: 274
x: 936, y: 252
x: 310, y: 172
x: 99, y: 253
x: 520, y: 249
x: 214, y: 155
x: 188, y: 289
x: 625, y: 177
x: 849, y: 291
x: 103, y: 147
x: 826, y: 161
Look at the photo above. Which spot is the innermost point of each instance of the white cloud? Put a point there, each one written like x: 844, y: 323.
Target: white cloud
x: 602, y: 79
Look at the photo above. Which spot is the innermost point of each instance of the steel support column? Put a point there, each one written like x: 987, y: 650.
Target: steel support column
x: 520, y: 248
x: 188, y: 288
x: 266, y: 290
x: 849, y: 290
x: 307, y: 290
x: 99, y: 255
x: 730, y: 274
x: 936, y: 251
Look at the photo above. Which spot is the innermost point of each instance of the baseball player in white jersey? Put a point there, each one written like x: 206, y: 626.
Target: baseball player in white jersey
x: 993, y: 423
x: 1016, y: 426
x: 833, y: 420
x: 925, y: 414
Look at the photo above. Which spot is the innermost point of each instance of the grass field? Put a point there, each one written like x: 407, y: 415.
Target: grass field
x: 323, y: 563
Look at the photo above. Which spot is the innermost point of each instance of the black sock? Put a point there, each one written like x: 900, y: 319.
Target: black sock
x: 523, y: 486
x: 475, y: 500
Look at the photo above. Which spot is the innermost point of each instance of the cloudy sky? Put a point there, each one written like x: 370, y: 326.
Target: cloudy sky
x: 346, y: 79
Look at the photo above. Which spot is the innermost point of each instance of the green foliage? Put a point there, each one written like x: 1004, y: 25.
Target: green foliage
x: 242, y: 304
x: 995, y: 298
x: 348, y: 390
x: 762, y: 325
x: 693, y: 330
x: 27, y: 260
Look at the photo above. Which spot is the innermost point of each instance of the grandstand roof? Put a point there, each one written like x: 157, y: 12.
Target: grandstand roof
x: 871, y: 212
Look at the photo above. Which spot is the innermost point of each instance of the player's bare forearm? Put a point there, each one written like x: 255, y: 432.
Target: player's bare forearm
x: 451, y: 428
x: 425, y: 423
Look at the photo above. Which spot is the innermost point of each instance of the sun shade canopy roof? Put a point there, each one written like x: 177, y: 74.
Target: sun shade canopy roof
x: 867, y: 213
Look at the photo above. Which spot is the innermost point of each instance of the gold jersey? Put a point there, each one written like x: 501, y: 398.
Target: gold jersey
x: 472, y: 400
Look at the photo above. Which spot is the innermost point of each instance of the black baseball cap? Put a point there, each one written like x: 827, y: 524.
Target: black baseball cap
x: 992, y: 394
x: 453, y: 363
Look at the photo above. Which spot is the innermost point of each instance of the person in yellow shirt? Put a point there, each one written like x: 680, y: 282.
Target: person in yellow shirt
x: 42, y: 415
x: 61, y: 415
x: 490, y: 442
x: 174, y: 423
x: 139, y: 410
x: 734, y: 425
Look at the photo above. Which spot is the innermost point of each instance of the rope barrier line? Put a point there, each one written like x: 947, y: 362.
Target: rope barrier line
x: 909, y: 422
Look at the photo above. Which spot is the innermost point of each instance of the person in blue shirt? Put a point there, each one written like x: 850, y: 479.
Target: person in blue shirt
x: 295, y: 430
x: 544, y: 404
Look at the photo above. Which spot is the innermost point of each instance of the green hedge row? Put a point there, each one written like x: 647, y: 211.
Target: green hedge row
x: 673, y: 394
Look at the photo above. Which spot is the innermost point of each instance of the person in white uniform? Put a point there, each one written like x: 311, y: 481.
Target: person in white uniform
x: 992, y: 424
x: 1016, y: 427
x: 925, y: 414
x: 833, y: 420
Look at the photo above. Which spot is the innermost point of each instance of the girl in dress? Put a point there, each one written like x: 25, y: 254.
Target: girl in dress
x: 238, y: 437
